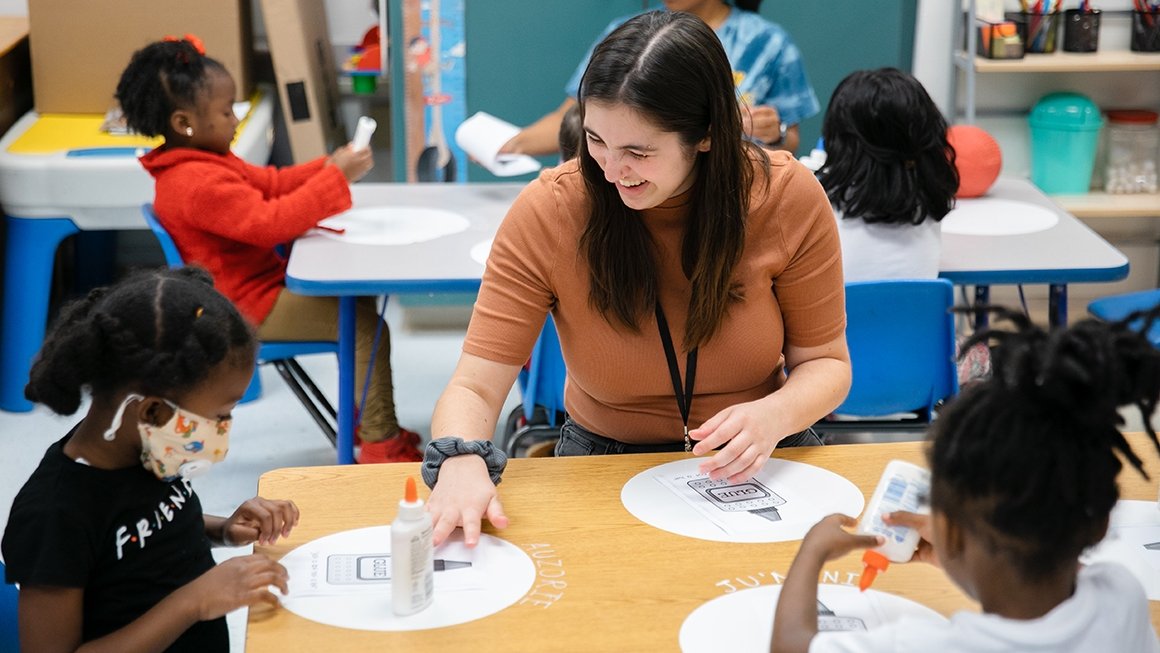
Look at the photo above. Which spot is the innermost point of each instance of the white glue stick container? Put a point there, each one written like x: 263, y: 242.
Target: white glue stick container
x: 903, y: 486
x: 412, y: 556
x: 362, y: 133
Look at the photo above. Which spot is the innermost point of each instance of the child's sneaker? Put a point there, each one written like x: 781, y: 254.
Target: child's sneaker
x: 403, y: 448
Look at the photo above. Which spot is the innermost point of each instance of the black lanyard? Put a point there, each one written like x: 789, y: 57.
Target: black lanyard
x: 684, y: 400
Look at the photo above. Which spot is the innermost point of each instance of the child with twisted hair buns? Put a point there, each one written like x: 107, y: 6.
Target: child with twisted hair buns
x: 1023, y: 480
x: 107, y: 538
x: 229, y: 216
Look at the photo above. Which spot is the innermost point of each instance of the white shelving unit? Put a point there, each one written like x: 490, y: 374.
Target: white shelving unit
x: 1089, y: 205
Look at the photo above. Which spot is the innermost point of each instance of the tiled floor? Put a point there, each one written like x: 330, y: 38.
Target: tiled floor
x: 273, y: 432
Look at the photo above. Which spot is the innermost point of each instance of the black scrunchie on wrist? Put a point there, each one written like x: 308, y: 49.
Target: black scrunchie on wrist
x: 440, y: 450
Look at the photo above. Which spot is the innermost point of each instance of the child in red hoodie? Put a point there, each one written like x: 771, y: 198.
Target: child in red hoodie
x: 228, y: 216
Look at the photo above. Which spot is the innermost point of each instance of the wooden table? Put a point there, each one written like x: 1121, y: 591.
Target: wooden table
x: 605, y: 581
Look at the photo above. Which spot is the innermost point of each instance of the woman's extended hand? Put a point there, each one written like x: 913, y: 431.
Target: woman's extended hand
x: 749, y: 433
x: 463, y: 495
x: 260, y: 520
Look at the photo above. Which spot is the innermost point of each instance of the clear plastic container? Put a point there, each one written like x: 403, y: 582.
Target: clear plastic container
x: 1133, y: 147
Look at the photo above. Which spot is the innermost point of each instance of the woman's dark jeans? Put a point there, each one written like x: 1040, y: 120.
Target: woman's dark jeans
x: 575, y: 440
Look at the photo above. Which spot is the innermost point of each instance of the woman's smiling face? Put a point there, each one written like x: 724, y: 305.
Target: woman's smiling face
x: 647, y: 165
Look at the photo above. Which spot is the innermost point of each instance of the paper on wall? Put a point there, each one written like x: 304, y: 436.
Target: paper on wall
x: 482, y: 135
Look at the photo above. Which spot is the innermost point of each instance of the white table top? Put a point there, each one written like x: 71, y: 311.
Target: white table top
x: 1067, y: 252
x: 326, y: 266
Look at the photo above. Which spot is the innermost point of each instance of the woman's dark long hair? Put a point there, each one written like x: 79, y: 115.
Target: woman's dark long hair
x: 887, y: 155
x: 670, y: 68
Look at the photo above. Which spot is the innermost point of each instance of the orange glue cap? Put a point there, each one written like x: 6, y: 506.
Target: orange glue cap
x: 874, y: 562
x: 410, y: 494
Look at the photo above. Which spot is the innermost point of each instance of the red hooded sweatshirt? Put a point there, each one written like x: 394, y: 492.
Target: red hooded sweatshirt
x: 227, y: 216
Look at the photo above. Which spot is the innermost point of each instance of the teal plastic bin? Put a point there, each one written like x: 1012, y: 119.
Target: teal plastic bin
x: 1065, y: 128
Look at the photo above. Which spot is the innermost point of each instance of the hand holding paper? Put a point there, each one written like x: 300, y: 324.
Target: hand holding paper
x: 482, y: 135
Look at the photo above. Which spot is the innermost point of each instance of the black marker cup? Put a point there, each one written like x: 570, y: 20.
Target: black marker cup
x: 1146, y: 31
x: 1081, y: 30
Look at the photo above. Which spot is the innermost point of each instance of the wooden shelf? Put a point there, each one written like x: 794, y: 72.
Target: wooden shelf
x: 1104, y: 205
x: 1069, y: 62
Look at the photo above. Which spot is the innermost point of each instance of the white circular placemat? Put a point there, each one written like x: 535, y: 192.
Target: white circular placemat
x: 393, y: 225
x: 743, y: 621
x: 991, y: 216
x: 480, y: 251
x: 675, y: 497
x: 336, y: 580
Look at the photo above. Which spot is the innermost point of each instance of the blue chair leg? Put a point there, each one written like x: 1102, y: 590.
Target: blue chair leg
x: 254, y: 390
x: 32, y: 243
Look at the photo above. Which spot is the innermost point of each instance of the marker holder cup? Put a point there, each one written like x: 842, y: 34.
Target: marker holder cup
x: 1039, y: 31
x: 999, y: 40
x: 1081, y: 30
x: 1145, y: 31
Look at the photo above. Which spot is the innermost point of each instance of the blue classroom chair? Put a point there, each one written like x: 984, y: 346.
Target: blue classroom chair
x: 541, y: 414
x: 9, y: 633
x: 1118, y: 307
x: 279, y: 354
x: 901, y: 336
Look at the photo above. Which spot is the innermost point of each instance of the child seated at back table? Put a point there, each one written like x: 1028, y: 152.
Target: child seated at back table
x: 889, y: 174
x: 1023, y: 480
x: 228, y: 216
x: 107, y: 538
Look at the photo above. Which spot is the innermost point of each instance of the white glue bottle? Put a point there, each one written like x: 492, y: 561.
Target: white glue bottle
x: 903, y: 486
x: 412, y: 556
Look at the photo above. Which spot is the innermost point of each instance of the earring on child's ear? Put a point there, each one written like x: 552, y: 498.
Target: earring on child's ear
x: 189, y: 131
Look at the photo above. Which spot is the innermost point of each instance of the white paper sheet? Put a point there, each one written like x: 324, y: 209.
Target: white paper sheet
x: 780, y: 504
x: 991, y: 216
x: 395, y: 225
x: 743, y: 621
x: 482, y: 135
x: 339, y: 580
x: 1133, y: 540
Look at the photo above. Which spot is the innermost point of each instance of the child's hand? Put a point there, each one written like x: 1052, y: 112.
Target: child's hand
x: 925, y: 552
x: 260, y: 520
x: 828, y: 540
x: 353, y: 163
x: 236, y: 583
x: 762, y: 123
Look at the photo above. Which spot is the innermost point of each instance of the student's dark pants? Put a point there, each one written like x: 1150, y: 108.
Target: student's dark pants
x: 575, y: 440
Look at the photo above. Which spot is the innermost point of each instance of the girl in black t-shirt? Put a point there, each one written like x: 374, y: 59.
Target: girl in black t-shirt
x: 107, y: 538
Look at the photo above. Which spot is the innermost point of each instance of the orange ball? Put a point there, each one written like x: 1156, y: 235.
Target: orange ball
x: 977, y: 157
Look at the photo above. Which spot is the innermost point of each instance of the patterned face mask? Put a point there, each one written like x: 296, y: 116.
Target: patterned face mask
x: 186, y: 446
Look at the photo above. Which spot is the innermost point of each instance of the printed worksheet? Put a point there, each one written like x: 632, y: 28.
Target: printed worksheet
x: 779, y: 504
x: 482, y: 135
x: 344, y: 580
x: 743, y: 621
x: 391, y: 225
x: 1133, y: 540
